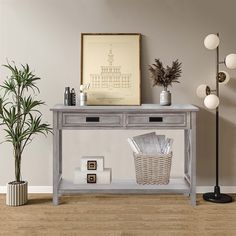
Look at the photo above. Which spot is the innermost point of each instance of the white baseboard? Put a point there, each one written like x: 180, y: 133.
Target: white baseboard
x: 32, y: 189
x: 200, y: 189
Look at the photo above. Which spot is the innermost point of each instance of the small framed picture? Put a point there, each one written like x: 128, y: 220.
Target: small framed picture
x: 91, y: 165
x: 91, y: 178
x: 110, y: 65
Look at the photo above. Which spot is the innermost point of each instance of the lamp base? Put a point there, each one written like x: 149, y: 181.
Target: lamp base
x: 217, y: 197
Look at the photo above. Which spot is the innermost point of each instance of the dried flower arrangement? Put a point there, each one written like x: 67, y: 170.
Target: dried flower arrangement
x: 165, y: 76
x: 84, y: 87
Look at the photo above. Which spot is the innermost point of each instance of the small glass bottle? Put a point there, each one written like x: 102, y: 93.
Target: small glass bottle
x: 67, y: 97
x: 73, y: 97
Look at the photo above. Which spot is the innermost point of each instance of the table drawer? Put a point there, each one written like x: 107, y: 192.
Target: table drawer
x: 91, y: 120
x: 170, y: 119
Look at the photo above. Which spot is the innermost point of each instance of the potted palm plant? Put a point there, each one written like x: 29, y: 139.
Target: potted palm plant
x: 165, y: 77
x: 22, y: 120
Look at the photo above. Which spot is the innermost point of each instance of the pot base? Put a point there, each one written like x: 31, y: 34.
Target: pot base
x: 17, y: 193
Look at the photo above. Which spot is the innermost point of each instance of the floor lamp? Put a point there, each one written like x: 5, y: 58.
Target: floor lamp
x: 211, y: 101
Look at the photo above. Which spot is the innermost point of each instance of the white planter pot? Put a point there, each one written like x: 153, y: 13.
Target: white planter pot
x: 83, y: 99
x: 165, y: 98
x: 17, y: 193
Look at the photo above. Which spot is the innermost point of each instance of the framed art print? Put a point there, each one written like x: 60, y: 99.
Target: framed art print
x: 110, y: 64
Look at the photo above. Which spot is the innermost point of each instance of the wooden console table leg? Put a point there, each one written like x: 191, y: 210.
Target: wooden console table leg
x: 57, y: 159
x: 187, y: 162
x: 193, y: 158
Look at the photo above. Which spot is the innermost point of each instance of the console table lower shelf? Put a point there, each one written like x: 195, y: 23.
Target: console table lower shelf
x: 178, y: 185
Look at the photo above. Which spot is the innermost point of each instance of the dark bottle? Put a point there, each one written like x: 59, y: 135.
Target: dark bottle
x: 67, y: 96
x: 73, y: 97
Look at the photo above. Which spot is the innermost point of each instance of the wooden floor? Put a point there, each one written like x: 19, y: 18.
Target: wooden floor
x: 117, y: 215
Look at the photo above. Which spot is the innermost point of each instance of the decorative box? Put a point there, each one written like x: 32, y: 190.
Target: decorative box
x: 95, y: 163
x: 92, y: 177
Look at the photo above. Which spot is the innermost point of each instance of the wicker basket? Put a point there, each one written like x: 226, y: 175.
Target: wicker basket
x: 152, y: 168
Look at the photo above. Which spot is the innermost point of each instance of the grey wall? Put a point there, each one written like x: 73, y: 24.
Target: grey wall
x: 46, y: 34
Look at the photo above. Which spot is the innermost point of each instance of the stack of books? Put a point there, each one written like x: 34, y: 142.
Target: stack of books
x: 151, y: 143
x: 92, y: 171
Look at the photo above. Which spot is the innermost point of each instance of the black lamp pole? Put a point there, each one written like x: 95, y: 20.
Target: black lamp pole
x: 217, y: 196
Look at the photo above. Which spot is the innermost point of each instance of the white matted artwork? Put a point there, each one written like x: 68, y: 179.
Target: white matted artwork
x: 110, y: 64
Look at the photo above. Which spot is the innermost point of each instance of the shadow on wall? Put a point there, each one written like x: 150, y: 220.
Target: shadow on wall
x: 146, y: 83
x: 206, y: 149
x: 232, y: 87
x: 227, y: 152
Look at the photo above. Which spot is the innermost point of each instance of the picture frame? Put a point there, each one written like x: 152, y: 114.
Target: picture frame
x: 111, y: 65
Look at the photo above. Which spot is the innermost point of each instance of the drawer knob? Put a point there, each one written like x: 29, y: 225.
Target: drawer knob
x: 155, y: 119
x: 92, y: 119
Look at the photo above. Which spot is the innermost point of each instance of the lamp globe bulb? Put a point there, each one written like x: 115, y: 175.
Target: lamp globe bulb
x: 230, y: 61
x: 223, y: 77
x: 211, y: 41
x: 211, y: 101
x: 202, y: 90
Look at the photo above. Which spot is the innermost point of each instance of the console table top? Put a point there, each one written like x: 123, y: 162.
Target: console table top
x: 143, y: 107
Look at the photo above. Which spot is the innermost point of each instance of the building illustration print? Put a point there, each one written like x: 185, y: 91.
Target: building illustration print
x: 110, y: 64
x: 111, y: 76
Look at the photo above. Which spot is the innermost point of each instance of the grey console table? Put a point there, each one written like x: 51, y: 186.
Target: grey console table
x: 146, y: 116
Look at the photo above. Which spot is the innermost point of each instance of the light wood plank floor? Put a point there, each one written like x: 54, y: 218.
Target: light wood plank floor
x: 117, y: 215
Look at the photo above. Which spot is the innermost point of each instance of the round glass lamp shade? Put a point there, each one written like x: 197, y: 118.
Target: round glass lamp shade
x: 211, y: 41
x: 211, y: 101
x: 223, y: 77
x: 203, y: 90
x: 230, y: 61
